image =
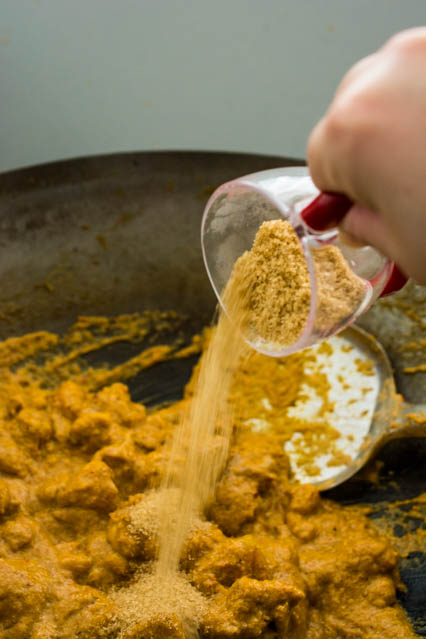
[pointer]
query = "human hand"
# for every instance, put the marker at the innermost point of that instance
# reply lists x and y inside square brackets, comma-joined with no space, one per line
[371,146]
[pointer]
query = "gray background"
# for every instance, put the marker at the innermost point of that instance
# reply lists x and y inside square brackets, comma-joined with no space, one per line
[94,76]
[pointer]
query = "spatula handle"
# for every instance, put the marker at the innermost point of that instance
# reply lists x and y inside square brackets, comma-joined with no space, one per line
[410,423]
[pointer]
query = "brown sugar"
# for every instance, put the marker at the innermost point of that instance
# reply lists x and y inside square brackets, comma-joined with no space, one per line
[203,436]
[169,607]
[340,291]
[274,278]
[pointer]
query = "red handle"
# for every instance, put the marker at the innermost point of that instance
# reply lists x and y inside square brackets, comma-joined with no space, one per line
[396,281]
[326,211]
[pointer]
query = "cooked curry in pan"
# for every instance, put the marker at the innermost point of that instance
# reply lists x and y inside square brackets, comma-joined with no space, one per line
[80,464]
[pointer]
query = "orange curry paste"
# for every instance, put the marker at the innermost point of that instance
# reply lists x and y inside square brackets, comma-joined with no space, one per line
[272,558]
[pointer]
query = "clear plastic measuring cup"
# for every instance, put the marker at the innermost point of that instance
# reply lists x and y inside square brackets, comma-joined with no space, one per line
[233,216]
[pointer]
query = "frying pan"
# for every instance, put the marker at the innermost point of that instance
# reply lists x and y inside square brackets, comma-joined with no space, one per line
[121,233]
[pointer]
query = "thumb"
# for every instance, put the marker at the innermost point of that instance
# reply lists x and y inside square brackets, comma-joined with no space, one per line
[367,227]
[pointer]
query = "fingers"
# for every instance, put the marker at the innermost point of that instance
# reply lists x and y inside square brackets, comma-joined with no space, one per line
[408,40]
[362,227]
[365,227]
[335,149]
[374,111]
[371,146]
[345,142]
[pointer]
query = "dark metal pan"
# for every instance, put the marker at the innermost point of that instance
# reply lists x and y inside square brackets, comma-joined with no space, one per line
[120,233]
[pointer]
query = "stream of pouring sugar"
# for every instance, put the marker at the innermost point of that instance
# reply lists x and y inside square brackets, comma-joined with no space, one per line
[201,443]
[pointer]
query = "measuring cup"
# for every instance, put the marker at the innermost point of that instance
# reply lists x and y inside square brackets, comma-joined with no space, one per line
[392,417]
[233,216]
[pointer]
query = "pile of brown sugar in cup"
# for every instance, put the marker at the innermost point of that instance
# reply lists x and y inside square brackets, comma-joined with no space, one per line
[274,278]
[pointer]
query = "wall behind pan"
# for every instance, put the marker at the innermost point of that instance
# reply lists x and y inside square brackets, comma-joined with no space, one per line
[81,77]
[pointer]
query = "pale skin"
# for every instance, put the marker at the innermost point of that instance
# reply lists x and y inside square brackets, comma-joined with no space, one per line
[371,146]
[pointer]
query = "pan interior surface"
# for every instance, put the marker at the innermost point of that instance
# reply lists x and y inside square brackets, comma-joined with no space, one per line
[118,234]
